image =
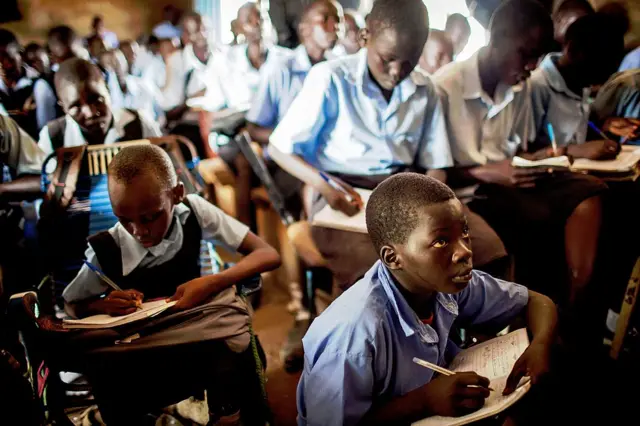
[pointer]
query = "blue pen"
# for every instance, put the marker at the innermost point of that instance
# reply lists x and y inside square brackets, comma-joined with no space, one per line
[102,276]
[598,131]
[332,183]
[552,135]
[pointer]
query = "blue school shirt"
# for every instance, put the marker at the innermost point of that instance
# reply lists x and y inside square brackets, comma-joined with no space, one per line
[619,97]
[553,102]
[631,61]
[360,350]
[280,83]
[340,122]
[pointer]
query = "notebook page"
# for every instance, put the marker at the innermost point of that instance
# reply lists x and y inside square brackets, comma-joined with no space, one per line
[148,309]
[562,161]
[625,161]
[330,218]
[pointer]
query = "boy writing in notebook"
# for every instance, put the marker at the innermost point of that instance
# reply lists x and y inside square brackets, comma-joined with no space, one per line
[359,352]
[154,249]
[561,88]
[154,252]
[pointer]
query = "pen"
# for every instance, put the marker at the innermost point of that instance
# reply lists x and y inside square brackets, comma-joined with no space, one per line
[438,369]
[598,131]
[332,183]
[102,276]
[552,135]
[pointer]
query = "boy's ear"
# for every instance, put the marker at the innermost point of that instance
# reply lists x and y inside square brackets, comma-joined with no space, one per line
[363,37]
[178,193]
[390,258]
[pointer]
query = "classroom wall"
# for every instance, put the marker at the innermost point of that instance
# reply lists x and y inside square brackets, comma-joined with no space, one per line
[127,18]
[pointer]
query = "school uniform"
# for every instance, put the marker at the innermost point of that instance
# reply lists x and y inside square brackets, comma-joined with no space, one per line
[26,92]
[178,350]
[631,61]
[618,97]
[552,102]
[485,130]
[341,123]
[18,151]
[360,350]
[127,125]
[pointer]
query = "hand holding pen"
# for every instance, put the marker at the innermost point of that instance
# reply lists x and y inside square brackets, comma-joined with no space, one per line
[341,196]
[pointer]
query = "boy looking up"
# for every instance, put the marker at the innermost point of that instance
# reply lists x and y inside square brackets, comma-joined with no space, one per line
[358,353]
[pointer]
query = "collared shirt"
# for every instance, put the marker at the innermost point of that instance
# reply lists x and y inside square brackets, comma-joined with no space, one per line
[553,102]
[631,61]
[280,83]
[17,150]
[73,134]
[481,129]
[215,225]
[341,122]
[360,350]
[619,97]
[166,30]
[43,97]
[232,81]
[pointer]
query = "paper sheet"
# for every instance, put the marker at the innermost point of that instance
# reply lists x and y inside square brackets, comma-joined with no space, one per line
[562,161]
[626,160]
[330,218]
[149,309]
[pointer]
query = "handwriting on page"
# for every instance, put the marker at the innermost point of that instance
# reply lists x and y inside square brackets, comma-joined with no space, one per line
[494,358]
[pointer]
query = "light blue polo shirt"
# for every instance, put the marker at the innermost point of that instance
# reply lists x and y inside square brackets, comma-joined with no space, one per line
[553,102]
[631,61]
[280,82]
[619,97]
[360,349]
[340,122]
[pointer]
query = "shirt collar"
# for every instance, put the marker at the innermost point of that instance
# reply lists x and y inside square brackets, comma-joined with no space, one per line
[409,320]
[121,117]
[192,61]
[301,61]
[133,252]
[404,90]
[554,78]
[22,83]
[472,88]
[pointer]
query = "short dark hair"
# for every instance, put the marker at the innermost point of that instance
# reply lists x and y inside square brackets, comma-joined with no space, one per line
[7,37]
[137,160]
[596,33]
[32,47]
[95,20]
[392,210]
[62,34]
[457,19]
[443,38]
[74,71]
[406,16]
[513,17]
[568,6]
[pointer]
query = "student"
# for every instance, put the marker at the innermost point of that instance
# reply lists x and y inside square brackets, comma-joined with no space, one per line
[282,80]
[566,14]
[90,118]
[154,251]
[561,88]
[353,23]
[618,97]
[458,29]
[169,28]
[96,47]
[358,353]
[487,121]
[631,61]
[437,52]
[98,30]
[131,49]
[34,104]
[360,119]
[63,44]
[37,58]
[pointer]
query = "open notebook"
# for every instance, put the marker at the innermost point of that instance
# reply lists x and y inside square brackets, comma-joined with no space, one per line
[625,162]
[494,360]
[330,218]
[148,310]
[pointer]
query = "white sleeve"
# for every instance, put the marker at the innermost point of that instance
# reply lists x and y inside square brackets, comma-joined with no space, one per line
[435,152]
[44,142]
[86,284]
[150,129]
[216,224]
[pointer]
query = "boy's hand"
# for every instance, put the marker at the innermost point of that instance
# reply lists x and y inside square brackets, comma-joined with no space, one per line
[505,174]
[119,303]
[192,294]
[624,127]
[454,395]
[339,199]
[596,150]
[534,363]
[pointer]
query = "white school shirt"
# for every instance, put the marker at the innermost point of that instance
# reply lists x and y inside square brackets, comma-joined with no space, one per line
[18,150]
[481,130]
[340,122]
[215,224]
[73,135]
[553,102]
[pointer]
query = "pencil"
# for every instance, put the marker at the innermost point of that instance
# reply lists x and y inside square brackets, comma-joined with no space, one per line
[438,369]
[599,131]
[102,276]
[335,185]
[552,135]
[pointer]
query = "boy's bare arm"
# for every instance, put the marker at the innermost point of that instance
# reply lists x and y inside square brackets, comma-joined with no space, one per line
[23,188]
[116,303]
[259,134]
[259,257]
